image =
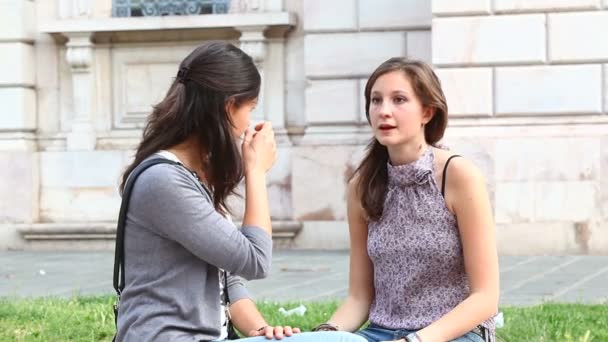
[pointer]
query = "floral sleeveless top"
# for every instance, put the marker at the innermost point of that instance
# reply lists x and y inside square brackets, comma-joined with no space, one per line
[415,248]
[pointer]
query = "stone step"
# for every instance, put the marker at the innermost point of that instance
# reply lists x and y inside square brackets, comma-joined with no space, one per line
[100,235]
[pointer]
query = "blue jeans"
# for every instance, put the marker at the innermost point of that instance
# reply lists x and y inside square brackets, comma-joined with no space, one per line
[330,336]
[375,333]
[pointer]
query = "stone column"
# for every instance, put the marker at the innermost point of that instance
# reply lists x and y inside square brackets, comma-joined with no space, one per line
[253,42]
[79,56]
[267,54]
[18,121]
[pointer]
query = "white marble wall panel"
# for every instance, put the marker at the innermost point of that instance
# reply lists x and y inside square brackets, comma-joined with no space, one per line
[322,15]
[530,202]
[461,8]
[574,201]
[17,20]
[394,14]
[605,75]
[16,64]
[79,204]
[320,175]
[547,159]
[419,45]
[18,109]
[468,91]
[350,54]
[140,78]
[81,169]
[515,202]
[19,187]
[332,101]
[576,37]
[550,89]
[537,238]
[603,202]
[505,39]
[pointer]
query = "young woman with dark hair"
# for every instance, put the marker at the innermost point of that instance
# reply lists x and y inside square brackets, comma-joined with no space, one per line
[182,254]
[423,264]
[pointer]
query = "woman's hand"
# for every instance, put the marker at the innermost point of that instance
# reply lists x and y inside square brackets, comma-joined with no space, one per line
[259,148]
[277,332]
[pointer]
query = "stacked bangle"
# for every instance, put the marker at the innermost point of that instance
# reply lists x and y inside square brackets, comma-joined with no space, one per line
[413,337]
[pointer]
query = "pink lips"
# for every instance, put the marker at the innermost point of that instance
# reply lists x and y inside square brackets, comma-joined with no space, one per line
[385,127]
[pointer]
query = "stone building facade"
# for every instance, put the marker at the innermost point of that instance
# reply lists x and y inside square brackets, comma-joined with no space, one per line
[526,82]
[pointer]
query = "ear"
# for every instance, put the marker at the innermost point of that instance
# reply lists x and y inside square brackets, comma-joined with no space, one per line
[428,114]
[230,107]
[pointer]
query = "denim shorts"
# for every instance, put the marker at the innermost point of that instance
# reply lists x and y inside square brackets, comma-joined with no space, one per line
[376,333]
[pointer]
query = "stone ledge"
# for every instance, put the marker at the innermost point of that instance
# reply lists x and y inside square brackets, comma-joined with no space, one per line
[446,8]
[17,140]
[100,231]
[67,231]
[199,22]
[543,6]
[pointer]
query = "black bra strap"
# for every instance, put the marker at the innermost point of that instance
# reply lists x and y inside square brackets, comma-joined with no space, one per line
[445,172]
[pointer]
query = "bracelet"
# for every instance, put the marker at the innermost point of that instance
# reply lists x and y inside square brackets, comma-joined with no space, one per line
[326,327]
[413,337]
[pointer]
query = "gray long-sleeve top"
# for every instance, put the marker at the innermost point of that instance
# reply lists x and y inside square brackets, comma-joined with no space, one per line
[175,242]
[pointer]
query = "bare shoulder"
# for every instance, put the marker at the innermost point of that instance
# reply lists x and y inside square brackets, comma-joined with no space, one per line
[352,188]
[460,170]
[465,185]
[463,173]
[353,198]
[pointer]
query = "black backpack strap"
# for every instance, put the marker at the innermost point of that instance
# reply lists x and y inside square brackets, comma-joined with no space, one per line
[119,251]
[445,173]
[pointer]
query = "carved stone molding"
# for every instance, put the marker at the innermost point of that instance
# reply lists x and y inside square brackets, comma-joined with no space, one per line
[253,42]
[79,52]
[79,56]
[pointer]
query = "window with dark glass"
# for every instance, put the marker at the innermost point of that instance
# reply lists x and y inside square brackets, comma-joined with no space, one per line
[144,8]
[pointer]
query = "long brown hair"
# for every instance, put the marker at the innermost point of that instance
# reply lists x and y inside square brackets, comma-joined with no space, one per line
[195,106]
[372,173]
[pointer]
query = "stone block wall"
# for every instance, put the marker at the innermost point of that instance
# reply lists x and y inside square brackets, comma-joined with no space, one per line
[531,77]
[342,42]
[526,82]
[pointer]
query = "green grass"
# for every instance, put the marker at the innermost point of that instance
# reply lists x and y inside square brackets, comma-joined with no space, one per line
[91,319]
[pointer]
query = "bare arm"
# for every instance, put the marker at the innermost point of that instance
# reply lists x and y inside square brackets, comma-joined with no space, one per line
[355,309]
[257,212]
[246,317]
[259,154]
[466,195]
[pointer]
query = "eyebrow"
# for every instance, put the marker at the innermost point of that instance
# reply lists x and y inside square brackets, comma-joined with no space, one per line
[400,91]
